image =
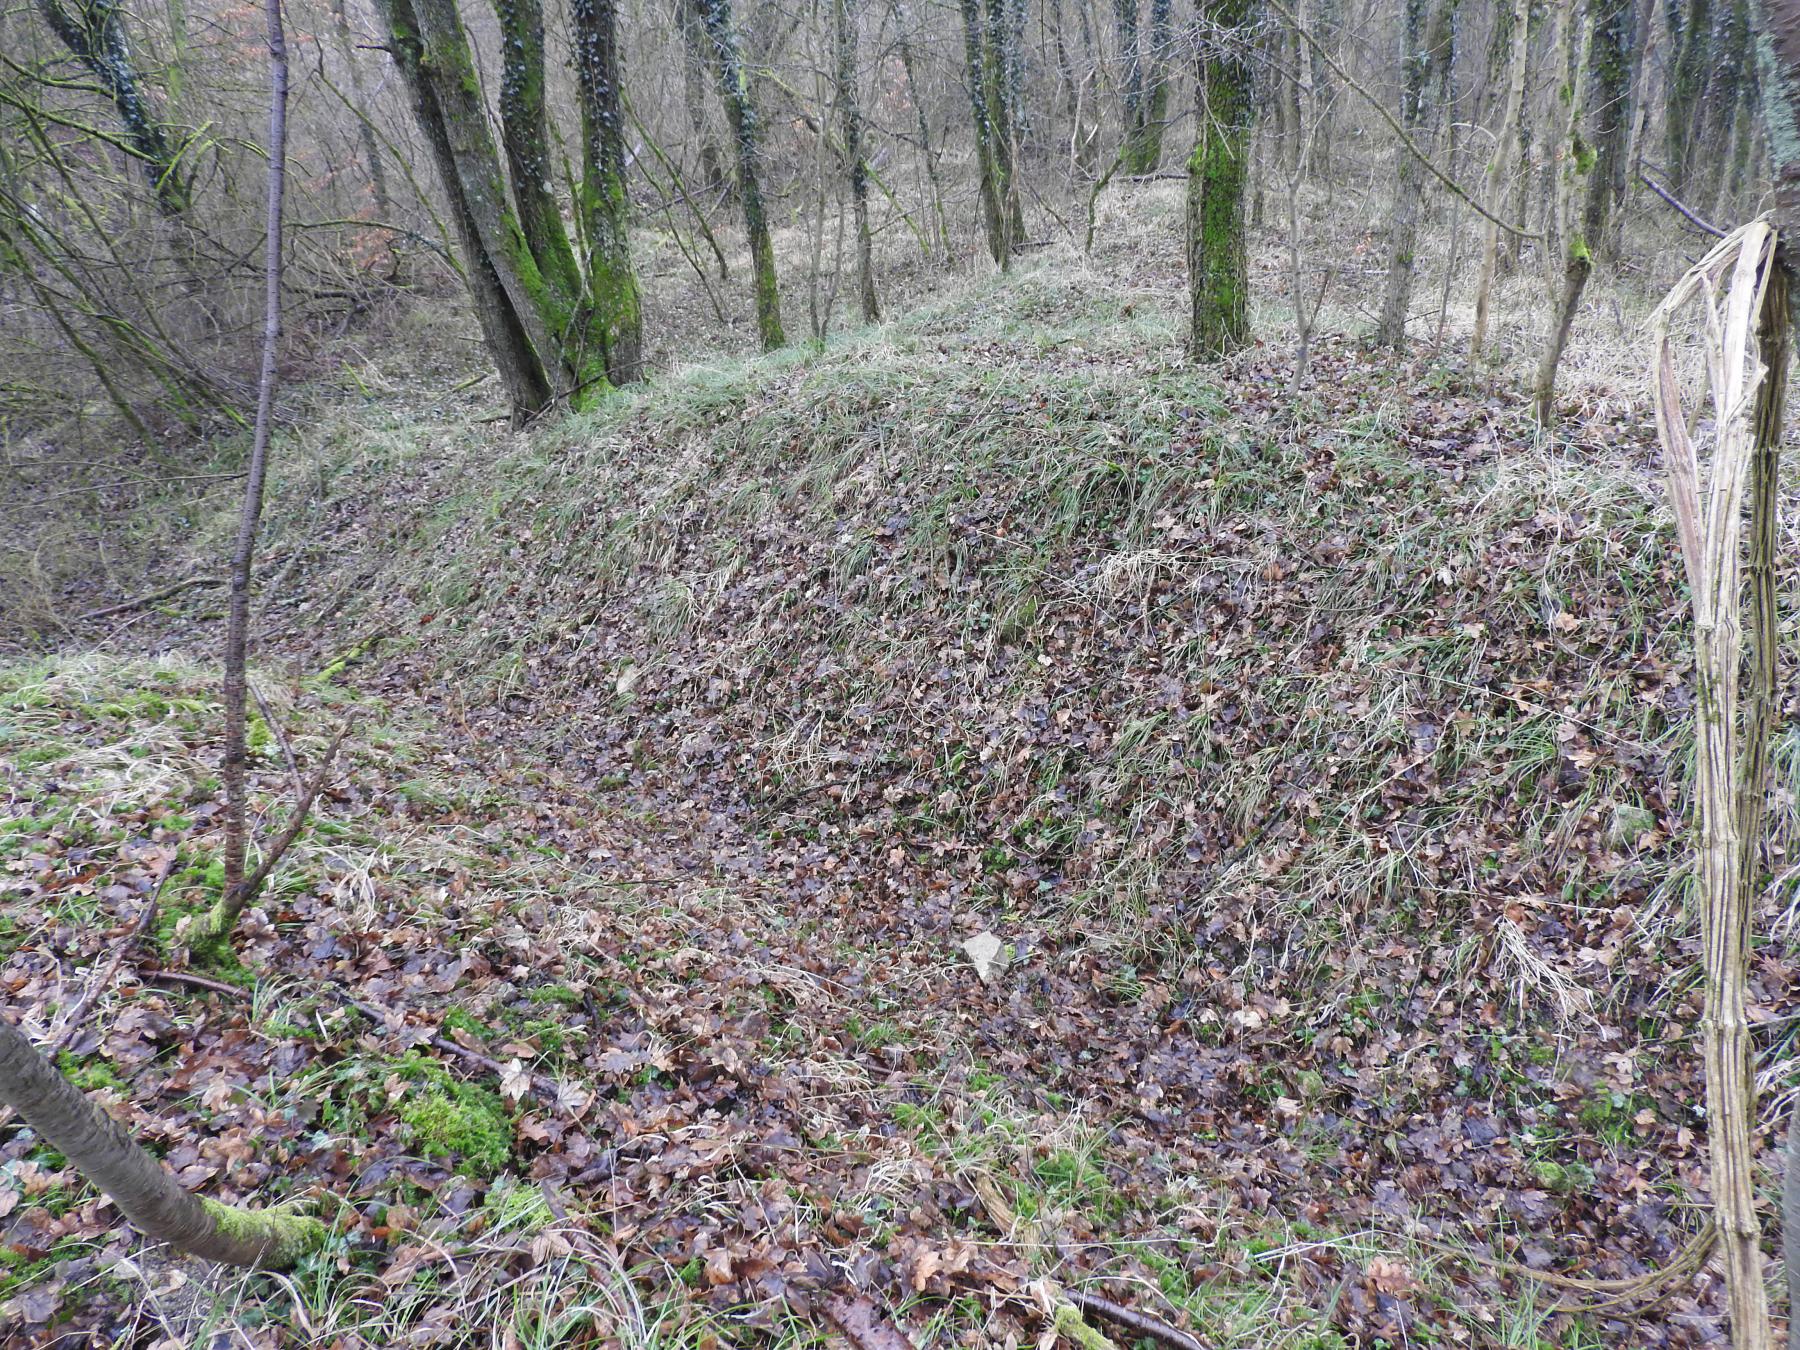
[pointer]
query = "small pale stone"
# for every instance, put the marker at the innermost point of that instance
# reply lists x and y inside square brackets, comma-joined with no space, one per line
[988,954]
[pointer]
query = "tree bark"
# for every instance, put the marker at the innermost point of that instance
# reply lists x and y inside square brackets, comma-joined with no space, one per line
[509,341]
[1217,249]
[851,123]
[1609,119]
[95,36]
[98,1147]
[746,136]
[1425,61]
[993,217]
[238,891]
[1687,87]
[1502,153]
[614,310]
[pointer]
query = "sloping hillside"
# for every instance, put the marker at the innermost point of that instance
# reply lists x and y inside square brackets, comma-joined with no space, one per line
[1316,758]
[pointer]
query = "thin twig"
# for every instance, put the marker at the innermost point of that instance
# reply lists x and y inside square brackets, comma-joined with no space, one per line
[125,606]
[72,1019]
[287,750]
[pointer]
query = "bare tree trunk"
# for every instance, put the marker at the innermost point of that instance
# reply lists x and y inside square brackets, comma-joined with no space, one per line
[1687,87]
[1609,117]
[746,136]
[365,123]
[1500,156]
[98,1147]
[693,89]
[237,892]
[850,118]
[1425,61]
[903,47]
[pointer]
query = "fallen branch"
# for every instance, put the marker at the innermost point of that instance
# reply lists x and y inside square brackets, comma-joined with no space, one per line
[1696,221]
[1137,1323]
[138,602]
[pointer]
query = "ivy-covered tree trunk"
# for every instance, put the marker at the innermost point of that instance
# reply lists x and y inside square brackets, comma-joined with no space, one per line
[1217,249]
[509,340]
[993,216]
[1425,61]
[1686,89]
[95,35]
[524,136]
[1596,156]
[98,1147]
[1001,72]
[746,136]
[615,311]
[851,124]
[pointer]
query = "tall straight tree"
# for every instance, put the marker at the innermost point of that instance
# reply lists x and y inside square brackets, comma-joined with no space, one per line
[1425,60]
[855,159]
[1691,51]
[1217,249]
[993,211]
[1517,17]
[1608,120]
[615,318]
[1142,150]
[746,138]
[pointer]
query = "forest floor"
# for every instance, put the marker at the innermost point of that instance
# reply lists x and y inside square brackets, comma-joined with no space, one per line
[1315,760]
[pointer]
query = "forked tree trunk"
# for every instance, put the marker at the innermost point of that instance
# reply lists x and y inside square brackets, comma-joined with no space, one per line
[1217,249]
[508,343]
[1500,156]
[97,1146]
[524,135]
[1609,118]
[615,318]
[746,137]
[850,120]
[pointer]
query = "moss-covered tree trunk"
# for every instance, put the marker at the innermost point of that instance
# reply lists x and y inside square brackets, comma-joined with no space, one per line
[615,311]
[98,1147]
[1686,88]
[1217,248]
[1608,121]
[855,161]
[1427,53]
[524,135]
[1144,144]
[509,342]
[95,35]
[746,137]
[1725,91]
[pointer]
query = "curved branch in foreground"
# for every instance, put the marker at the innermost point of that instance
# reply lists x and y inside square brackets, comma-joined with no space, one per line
[98,1147]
